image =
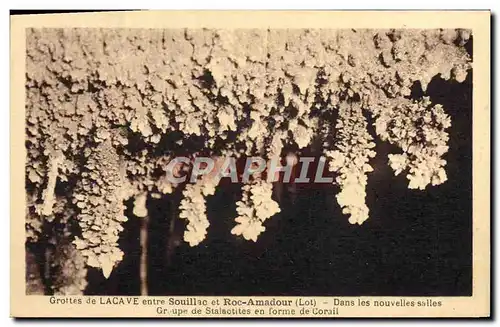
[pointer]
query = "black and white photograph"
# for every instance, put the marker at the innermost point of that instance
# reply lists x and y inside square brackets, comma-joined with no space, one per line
[267,162]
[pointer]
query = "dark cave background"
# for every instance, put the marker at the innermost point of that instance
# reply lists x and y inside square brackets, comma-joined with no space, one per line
[415,243]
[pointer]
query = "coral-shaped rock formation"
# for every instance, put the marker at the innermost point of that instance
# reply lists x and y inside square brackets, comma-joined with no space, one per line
[108,109]
[254,208]
[353,150]
[100,197]
[419,129]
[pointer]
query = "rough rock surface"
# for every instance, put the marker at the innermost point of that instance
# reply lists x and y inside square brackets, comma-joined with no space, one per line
[91,92]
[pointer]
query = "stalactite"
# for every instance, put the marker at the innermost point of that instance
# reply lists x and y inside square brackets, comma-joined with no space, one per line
[48,194]
[350,159]
[100,198]
[419,129]
[143,268]
[254,208]
[193,209]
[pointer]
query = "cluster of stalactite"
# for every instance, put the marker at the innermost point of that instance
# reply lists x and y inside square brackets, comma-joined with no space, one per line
[107,109]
